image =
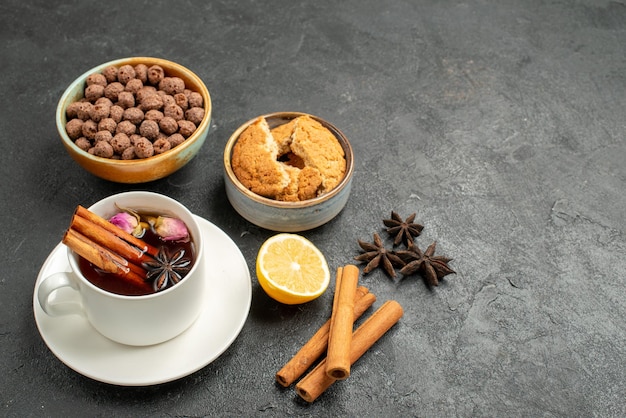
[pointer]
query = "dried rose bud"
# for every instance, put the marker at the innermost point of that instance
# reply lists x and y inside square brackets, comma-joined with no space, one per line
[124,221]
[171,229]
[129,221]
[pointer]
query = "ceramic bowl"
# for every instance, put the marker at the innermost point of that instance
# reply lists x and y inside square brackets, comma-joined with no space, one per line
[137,170]
[287,216]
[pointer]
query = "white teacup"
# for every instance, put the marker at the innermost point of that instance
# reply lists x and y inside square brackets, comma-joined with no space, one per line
[132,320]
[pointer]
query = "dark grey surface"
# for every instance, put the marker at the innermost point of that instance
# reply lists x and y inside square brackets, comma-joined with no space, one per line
[502,124]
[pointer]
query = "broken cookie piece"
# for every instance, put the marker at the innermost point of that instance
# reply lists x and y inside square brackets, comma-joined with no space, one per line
[295,161]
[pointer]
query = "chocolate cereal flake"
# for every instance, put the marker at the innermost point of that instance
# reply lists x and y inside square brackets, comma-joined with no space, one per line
[155,74]
[133,85]
[111,91]
[94,92]
[175,139]
[107,124]
[195,99]
[83,143]
[110,73]
[133,115]
[186,128]
[103,149]
[129,153]
[144,148]
[172,85]
[102,136]
[195,115]
[126,99]
[116,113]
[141,72]
[126,127]
[89,129]
[96,78]
[120,142]
[153,114]
[161,145]
[168,125]
[125,73]
[149,129]
[74,128]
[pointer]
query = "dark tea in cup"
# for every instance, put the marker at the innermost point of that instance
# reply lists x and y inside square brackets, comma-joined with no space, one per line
[174,258]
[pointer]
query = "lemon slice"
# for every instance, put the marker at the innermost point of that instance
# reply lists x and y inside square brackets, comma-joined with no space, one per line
[291,269]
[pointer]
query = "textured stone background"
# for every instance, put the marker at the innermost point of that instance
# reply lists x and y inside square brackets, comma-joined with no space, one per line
[502,124]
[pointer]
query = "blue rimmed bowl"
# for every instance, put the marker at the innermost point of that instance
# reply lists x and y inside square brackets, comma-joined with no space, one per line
[287,216]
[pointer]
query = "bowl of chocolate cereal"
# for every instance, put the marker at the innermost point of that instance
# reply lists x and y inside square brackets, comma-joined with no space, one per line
[134,120]
[288,171]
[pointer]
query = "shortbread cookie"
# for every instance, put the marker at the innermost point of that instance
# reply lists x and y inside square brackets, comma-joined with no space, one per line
[254,161]
[319,149]
[296,161]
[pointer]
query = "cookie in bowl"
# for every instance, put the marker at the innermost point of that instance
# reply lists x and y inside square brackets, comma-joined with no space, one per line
[288,171]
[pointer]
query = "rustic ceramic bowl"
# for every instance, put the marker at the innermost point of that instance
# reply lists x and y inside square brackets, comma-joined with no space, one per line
[287,216]
[138,170]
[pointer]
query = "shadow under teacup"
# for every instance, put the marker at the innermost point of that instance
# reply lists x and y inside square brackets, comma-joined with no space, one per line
[133,320]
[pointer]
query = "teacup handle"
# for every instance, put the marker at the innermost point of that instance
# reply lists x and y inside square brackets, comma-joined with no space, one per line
[53,283]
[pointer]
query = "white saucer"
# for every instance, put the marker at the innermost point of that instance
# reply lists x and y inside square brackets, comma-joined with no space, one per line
[229,294]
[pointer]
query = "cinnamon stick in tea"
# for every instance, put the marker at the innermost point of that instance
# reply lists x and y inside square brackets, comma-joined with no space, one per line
[316,346]
[103,258]
[341,323]
[108,247]
[103,223]
[109,239]
[317,381]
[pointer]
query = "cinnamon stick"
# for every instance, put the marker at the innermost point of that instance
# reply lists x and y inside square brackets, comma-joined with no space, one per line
[107,238]
[316,346]
[103,223]
[341,323]
[103,258]
[108,247]
[317,381]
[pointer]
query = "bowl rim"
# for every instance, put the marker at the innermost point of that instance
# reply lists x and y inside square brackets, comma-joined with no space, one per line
[343,141]
[64,102]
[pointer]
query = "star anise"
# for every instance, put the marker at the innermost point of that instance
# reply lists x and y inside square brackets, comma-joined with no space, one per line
[430,266]
[404,231]
[165,269]
[375,254]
